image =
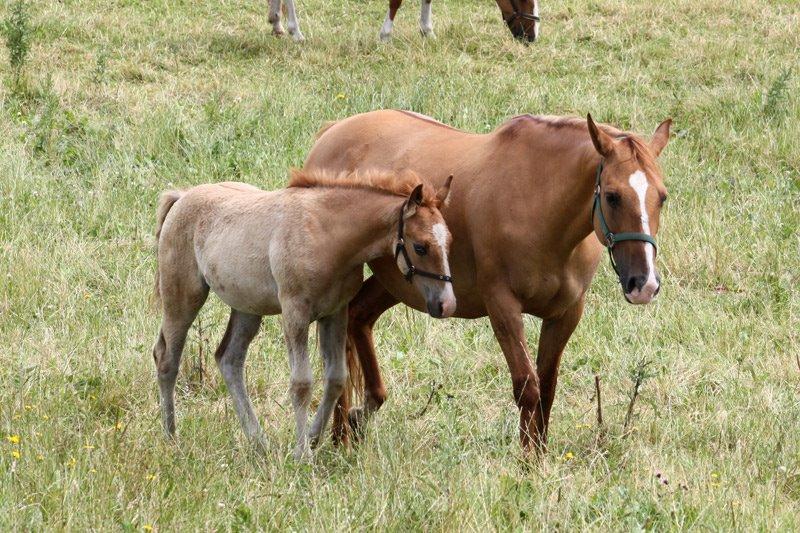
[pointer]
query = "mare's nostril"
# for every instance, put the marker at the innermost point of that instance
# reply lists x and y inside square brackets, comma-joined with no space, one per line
[441,309]
[658,289]
[631,285]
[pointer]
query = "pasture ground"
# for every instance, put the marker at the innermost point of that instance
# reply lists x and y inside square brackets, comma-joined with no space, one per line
[126,98]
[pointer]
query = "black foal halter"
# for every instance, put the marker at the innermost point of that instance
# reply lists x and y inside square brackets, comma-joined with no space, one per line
[401,249]
[519,15]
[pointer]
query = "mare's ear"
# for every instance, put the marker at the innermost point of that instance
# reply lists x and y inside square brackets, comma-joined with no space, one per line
[444,192]
[414,201]
[660,137]
[602,141]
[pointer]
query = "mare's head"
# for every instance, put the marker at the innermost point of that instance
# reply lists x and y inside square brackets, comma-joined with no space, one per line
[521,17]
[631,193]
[422,245]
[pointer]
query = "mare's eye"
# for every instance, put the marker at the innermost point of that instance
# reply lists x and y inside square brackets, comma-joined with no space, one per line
[420,249]
[613,199]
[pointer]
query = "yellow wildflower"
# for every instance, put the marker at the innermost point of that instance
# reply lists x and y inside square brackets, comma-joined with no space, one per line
[13,439]
[151,477]
[72,462]
[340,96]
[40,457]
[568,456]
[147,527]
[88,447]
[28,407]
[118,426]
[45,417]
[15,454]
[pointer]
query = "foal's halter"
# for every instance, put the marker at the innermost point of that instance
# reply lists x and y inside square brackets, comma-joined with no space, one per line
[401,249]
[519,15]
[613,238]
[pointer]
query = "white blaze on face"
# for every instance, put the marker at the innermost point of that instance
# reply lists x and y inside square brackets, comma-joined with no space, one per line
[638,181]
[440,234]
[536,14]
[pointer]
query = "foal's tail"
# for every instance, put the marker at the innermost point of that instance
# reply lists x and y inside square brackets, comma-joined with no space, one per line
[165,203]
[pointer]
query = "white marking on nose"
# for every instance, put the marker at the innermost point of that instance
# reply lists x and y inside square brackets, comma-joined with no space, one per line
[638,181]
[440,234]
[536,14]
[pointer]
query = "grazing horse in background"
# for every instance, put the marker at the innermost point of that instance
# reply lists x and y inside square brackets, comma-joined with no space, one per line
[534,203]
[299,251]
[521,17]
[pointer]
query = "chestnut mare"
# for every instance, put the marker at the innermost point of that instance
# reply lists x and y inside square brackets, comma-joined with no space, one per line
[299,251]
[534,202]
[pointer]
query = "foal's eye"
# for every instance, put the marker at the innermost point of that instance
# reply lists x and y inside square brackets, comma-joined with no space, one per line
[420,249]
[613,199]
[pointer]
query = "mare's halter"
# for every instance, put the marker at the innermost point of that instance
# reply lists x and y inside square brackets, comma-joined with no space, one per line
[519,15]
[401,249]
[613,238]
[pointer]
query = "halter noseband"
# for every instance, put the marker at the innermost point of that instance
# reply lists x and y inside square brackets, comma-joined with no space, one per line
[401,249]
[518,14]
[613,238]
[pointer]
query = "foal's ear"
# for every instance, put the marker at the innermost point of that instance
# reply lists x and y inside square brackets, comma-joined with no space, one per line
[660,137]
[602,141]
[444,193]
[414,201]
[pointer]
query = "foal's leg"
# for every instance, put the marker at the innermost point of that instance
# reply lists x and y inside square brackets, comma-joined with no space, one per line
[386,29]
[505,315]
[230,356]
[275,17]
[552,339]
[295,330]
[332,333]
[181,303]
[291,21]
[425,19]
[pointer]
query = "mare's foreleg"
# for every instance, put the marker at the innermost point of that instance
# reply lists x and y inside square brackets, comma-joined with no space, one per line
[426,19]
[505,315]
[552,340]
[388,23]
[332,334]
[291,21]
[295,330]
[230,356]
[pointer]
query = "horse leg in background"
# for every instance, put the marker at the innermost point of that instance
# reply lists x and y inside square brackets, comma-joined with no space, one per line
[332,336]
[230,356]
[364,310]
[275,17]
[291,21]
[505,315]
[181,301]
[552,340]
[426,19]
[386,29]
[295,330]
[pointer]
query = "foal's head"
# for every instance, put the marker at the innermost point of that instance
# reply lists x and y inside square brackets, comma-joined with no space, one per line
[631,193]
[422,246]
[521,17]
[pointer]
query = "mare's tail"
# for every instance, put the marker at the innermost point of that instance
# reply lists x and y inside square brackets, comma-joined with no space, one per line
[165,203]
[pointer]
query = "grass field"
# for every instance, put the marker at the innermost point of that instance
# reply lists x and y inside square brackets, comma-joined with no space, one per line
[122,99]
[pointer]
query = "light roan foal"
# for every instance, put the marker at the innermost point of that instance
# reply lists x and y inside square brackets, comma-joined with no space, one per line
[298,251]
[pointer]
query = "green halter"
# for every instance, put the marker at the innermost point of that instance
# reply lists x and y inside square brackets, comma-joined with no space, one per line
[613,238]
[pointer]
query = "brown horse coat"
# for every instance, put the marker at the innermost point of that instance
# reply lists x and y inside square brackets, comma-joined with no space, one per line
[520,212]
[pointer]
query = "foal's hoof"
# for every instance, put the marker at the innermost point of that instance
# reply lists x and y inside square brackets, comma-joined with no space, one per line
[297,36]
[278,31]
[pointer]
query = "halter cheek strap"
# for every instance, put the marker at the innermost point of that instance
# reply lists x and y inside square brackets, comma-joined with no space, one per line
[613,238]
[518,14]
[400,249]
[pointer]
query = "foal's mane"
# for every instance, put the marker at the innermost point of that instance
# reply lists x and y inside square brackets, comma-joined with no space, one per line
[393,183]
[639,148]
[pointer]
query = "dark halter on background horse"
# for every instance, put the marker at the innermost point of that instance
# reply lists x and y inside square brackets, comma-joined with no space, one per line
[613,238]
[518,14]
[401,249]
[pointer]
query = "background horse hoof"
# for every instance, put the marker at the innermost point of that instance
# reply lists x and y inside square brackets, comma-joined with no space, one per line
[385,37]
[428,33]
[298,37]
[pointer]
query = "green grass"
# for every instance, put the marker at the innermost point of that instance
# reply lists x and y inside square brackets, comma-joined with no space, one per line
[126,98]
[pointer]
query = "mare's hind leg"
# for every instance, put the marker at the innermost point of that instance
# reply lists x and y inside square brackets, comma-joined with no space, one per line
[275,17]
[181,305]
[295,330]
[230,356]
[388,24]
[332,334]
